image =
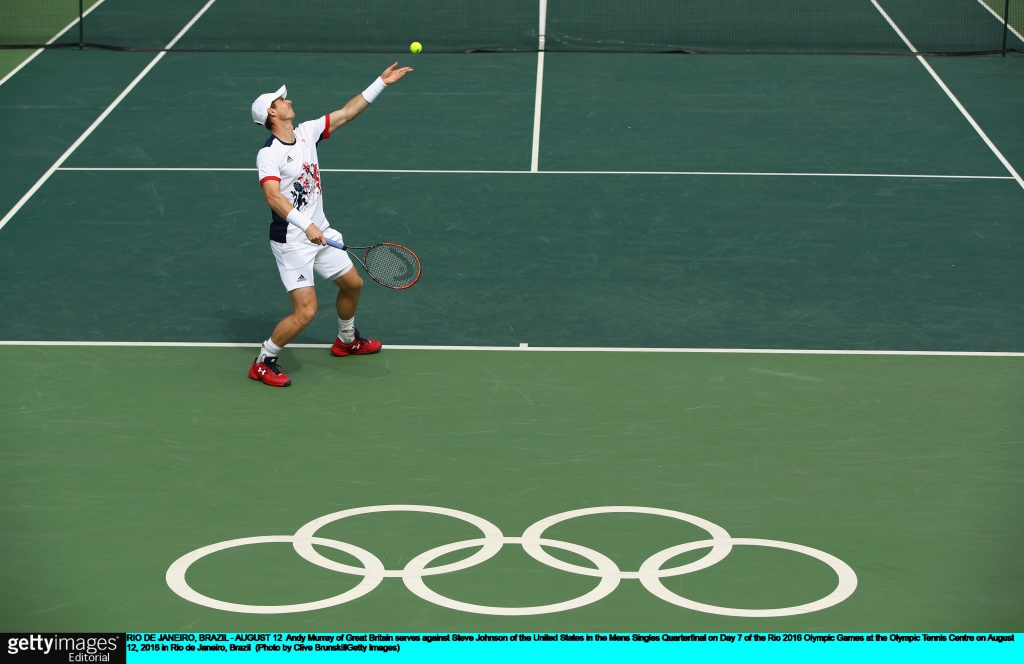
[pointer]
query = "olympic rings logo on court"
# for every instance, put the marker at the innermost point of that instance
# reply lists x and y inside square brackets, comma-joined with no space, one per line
[533,542]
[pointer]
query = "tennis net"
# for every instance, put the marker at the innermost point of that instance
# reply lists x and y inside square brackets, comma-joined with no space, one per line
[450,26]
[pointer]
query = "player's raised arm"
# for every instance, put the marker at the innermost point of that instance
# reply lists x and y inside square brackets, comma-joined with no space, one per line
[359,103]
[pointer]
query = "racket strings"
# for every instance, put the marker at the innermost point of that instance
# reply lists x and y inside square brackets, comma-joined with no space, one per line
[392,266]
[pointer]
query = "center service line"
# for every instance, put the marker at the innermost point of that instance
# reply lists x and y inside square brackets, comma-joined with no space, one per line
[542,29]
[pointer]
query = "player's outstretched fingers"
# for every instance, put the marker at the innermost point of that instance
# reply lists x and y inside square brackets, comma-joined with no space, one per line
[391,75]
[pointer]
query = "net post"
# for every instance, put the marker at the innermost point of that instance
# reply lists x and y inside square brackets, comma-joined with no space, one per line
[1006,22]
[81,25]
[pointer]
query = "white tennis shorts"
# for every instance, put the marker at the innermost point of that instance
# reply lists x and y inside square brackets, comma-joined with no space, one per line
[297,260]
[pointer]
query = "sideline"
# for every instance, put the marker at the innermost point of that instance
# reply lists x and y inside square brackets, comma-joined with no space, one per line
[952,97]
[52,39]
[103,116]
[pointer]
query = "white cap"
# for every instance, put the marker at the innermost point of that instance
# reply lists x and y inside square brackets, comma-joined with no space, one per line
[263,102]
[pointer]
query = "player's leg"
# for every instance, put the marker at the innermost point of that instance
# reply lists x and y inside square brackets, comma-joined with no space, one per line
[350,285]
[295,264]
[304,301]
[336,265]
[349,341]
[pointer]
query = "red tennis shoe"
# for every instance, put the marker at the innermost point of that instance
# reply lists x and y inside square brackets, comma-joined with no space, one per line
[360,346]
[269,373]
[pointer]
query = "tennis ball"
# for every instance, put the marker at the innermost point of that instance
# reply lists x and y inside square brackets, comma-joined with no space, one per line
[416,47]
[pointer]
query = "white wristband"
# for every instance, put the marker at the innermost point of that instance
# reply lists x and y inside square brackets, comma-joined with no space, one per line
[370,93]
[299,220]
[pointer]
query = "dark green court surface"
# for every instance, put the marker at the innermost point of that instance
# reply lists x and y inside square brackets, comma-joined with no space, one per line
[118,461]
[453,112]
[646,112]
[549,260]
[51,102]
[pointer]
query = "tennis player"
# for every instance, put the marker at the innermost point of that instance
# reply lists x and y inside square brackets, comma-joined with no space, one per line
[289,173]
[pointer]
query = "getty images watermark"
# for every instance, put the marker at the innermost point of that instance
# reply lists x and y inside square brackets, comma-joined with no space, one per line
[66,647]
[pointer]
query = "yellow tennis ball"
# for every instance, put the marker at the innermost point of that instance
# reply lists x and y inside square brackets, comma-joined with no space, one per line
[416,47]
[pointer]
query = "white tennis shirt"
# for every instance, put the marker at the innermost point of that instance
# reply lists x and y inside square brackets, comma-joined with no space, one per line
[296,167]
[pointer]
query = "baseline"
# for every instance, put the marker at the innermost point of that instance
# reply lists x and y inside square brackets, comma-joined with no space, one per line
[542,349]
[949,93]
[103,116]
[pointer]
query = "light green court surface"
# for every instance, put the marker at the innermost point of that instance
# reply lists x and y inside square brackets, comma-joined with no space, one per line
[116,461]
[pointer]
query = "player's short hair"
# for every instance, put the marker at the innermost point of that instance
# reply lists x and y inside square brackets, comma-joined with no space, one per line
[266,123]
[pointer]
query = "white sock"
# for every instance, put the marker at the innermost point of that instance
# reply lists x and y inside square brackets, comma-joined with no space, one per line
[268,349]
[347,330]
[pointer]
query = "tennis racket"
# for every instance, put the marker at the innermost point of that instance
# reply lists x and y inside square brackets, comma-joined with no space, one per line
[387,263]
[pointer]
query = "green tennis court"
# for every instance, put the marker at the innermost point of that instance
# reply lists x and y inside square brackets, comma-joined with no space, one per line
[780,294]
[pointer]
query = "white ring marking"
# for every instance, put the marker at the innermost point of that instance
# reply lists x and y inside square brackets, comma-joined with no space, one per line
[304,539]
[719,551]
[373,574]
[607,570]
[652,581]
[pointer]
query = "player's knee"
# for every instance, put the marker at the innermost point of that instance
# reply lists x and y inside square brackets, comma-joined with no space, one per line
[306,313]
[350,282]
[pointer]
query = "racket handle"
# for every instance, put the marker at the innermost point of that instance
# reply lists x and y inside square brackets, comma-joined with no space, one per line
[335,243]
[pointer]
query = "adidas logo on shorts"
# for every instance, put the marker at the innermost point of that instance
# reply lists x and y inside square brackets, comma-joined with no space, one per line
[302,277]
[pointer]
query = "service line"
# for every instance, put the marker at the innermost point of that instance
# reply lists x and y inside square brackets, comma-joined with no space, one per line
[485,172]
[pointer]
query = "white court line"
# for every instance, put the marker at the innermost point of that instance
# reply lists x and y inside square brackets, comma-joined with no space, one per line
[470,172]
[52,39]
[524,348]
[538,94]
[1000,19]
[535,149]
[952,97]
[124,93]
[143,168]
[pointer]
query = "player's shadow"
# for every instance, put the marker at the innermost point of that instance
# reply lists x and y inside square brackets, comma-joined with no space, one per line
[372,366]
[368,366]
[247,326]
[290,359]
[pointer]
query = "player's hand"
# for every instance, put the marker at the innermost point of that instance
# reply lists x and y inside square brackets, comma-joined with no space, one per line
[391,74]
[315,235]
